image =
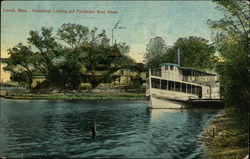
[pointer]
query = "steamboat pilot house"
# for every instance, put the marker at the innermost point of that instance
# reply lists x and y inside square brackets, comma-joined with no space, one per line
[171,86]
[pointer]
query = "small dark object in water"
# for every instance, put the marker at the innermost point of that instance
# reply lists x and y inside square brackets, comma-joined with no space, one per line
[93,128]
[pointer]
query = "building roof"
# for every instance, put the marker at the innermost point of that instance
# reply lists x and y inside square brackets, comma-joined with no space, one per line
[139,66]
[38,77]
[115,52]
[169,64]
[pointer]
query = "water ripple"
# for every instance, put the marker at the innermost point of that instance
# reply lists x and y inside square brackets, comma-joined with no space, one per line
[124,130]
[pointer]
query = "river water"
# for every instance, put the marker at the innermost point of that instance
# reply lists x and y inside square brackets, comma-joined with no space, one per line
[40,128]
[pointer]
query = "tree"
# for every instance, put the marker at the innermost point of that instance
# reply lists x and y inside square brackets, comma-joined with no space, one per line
[231,41]
[155,49]
[89,51]
[72,56]
[107,60]
[20,64]
[235,21]
[195,52]
[46,49]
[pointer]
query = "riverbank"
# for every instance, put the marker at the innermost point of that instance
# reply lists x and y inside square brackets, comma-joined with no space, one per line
[78,96]
[223,139]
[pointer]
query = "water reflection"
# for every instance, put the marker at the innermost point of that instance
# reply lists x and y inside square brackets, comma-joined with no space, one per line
[123,129]
[178,129]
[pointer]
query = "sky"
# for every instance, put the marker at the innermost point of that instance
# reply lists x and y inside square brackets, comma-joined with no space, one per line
[140,20]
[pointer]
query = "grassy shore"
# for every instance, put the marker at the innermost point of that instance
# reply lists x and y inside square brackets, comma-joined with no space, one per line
[224,139]
[80,96]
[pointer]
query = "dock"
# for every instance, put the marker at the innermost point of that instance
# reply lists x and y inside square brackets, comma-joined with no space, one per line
[206,103]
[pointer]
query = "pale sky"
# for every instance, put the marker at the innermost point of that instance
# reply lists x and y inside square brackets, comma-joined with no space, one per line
[142,21]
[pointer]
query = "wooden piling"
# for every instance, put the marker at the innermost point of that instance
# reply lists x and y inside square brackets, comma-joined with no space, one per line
[213,132]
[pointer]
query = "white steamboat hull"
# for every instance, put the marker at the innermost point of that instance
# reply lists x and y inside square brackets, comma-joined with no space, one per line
[163,99]
[161,103]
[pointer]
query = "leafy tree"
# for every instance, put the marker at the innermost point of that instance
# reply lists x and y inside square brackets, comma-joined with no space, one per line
[170,55]
[230,40]
[195,52]
[46,48]
[235,21]
[91,50]
[155,49]
[72,56]
[109,60]
[20,64]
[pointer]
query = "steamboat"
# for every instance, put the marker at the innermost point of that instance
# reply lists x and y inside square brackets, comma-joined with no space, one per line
[172,86]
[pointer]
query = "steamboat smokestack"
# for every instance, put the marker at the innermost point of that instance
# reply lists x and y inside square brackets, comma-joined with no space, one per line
[177,55]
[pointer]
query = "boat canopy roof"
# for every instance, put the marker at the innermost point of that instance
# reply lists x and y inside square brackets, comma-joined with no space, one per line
[187,71]
[190,72]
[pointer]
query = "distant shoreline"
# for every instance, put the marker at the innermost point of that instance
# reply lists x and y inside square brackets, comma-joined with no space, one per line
[85,100]
[79,97]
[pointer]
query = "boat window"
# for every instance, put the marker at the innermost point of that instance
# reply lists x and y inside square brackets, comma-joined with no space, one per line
[177,86]
[171,85]
[188,88]
[193,89]
[171,67]
[183,87]
[199,92]
[155,83]
[164,84]
[166,67]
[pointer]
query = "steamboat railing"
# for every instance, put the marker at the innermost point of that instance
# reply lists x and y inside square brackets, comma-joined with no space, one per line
[156,72]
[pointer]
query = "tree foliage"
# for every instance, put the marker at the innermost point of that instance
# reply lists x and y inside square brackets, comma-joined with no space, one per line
[155,49]
[68,58]
[230,40]
[89,51]
[20,64]
[46,49]
[235,21]
[195,52]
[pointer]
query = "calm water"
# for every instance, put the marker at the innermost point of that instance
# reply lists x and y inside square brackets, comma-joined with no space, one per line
[124,129]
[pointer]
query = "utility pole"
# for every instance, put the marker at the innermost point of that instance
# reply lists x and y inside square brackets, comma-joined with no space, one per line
[116,27]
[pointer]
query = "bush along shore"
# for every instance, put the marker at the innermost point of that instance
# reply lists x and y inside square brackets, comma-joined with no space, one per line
[224,138]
